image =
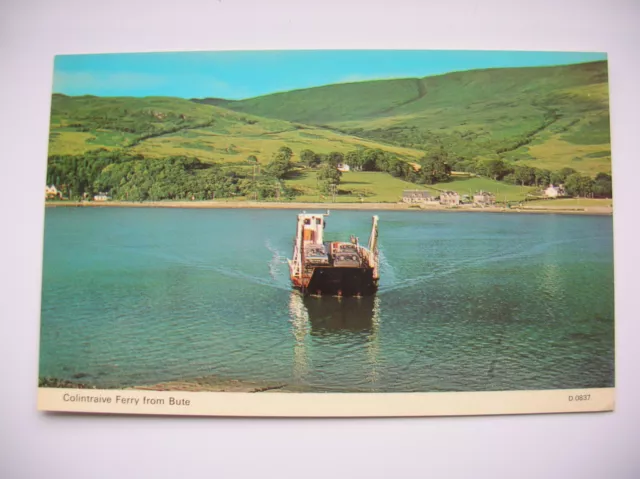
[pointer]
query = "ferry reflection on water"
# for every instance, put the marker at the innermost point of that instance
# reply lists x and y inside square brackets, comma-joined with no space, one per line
[333,315]
[326,316]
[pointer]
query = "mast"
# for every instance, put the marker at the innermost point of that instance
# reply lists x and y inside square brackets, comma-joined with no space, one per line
[300,247]
[373,248]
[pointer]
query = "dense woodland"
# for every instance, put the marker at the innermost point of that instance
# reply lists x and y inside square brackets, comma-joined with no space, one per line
[135,178]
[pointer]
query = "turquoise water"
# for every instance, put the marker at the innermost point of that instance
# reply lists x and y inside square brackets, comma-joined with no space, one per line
[467,301]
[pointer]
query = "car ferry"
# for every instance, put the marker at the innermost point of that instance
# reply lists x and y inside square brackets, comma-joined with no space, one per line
[333,268]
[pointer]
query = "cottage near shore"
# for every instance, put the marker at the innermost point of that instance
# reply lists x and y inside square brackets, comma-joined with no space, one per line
[484,198]
[555,191]
[450,198]
[51,192]
[417,197]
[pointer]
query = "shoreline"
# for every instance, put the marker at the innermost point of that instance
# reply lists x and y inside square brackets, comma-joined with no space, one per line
[199,384]
[212,204]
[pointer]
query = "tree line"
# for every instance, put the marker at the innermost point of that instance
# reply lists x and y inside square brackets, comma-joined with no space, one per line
[431,168]
[436,167]
[133,177]
[575,183]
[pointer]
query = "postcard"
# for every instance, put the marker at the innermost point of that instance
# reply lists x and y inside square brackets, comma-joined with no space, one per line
[328,233]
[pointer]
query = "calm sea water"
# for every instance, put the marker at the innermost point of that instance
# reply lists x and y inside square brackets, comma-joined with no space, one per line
[467,301]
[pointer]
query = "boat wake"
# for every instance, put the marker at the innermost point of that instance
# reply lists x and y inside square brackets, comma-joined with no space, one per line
[387,273]
[515,253]
[277,265]
[232,273]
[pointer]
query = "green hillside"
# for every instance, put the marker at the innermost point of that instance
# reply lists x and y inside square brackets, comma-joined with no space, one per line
[331,103]
[516,130]
[546,117]
[161,127]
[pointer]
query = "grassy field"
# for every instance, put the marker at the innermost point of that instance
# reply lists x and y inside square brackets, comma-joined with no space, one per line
[589,159]
[236,144]
[364,186]
[469,186]
[375,187]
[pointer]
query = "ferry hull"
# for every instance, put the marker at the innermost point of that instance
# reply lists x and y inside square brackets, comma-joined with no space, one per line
[329,315]
[334,281]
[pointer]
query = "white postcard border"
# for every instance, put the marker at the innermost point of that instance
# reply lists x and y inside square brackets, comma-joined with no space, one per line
[277,404]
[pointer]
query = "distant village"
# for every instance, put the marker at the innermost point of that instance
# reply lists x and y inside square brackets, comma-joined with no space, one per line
[453,198]
[412,197]
[53,193]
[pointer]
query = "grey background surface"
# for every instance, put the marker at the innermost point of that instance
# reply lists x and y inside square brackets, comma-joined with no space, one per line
[33,444]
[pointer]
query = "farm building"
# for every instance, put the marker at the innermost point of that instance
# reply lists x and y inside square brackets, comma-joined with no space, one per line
[449,198]
[343,167]
[101,197]
[484,198]
[554,191]
[51,192]
[416,196]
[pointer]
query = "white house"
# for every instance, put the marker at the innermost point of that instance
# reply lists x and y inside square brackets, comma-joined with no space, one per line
[52,192]
[417,196]
[450,198]
[101,197]
[484,198]
[343,167]
[554,191]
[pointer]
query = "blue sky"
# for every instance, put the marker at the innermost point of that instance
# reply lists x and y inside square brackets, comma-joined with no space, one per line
[243,74]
